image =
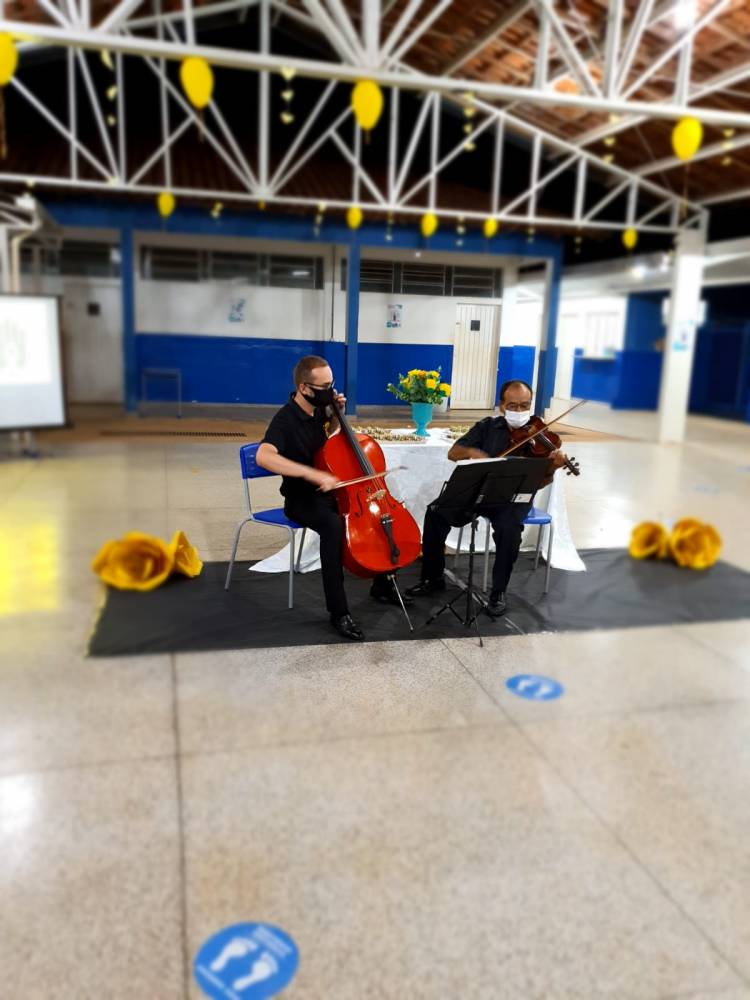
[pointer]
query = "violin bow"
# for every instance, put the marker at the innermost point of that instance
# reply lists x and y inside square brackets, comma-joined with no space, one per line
[364,479]
[541,430]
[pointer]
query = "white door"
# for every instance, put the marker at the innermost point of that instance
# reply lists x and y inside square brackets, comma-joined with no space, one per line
[92,324]
[474,378]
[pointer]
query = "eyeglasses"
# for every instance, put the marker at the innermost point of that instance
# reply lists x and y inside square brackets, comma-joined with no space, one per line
[518,407]
[315,385]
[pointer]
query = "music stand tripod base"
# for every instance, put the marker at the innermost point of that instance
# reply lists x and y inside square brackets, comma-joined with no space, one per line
[467,591]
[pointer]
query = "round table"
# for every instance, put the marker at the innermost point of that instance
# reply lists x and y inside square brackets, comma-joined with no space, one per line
[426,468]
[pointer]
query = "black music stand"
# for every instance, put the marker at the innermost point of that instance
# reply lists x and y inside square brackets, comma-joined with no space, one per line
[476,486]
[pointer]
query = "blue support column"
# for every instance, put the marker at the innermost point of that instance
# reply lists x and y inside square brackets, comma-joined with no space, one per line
[352,324]
[127,280]
[545,379]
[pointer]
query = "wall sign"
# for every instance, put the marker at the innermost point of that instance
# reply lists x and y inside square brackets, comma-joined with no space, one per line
[394,317]
[534,687]
[237,310]
[246,962]
[684,335]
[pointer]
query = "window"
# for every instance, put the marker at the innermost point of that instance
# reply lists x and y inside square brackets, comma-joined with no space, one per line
[243,268]
[170,264]
[93,260]
[423,279]
[73,258]
[476,282]
[376,276]
[178,264]
[295,272]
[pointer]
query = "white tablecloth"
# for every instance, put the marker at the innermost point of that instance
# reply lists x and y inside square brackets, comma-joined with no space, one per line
[418,484]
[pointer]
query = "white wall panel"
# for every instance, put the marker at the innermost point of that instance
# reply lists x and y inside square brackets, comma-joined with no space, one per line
[205,309]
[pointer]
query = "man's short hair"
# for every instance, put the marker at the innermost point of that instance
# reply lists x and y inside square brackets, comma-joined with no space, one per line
[509,385]
[305,366]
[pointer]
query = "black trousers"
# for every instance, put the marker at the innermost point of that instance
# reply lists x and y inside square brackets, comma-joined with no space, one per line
[507,528]
[320,513]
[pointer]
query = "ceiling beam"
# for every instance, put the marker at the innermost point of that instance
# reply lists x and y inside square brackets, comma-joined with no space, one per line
[411,80]
[740,194]
[724,147]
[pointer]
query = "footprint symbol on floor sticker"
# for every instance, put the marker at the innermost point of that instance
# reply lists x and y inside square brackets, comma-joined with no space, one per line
[263,968]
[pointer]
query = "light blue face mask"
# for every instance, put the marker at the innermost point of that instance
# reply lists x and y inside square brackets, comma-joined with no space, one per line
[517,418]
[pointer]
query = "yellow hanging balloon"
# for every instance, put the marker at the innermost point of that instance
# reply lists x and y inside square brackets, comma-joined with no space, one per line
[354,217]
[687,136]
[166,204]
[429,224]
[197,80]
[630,238]
[490,227]
[367,103]
[8,58]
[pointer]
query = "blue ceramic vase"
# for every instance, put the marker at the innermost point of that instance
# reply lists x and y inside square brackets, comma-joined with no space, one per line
[421,414]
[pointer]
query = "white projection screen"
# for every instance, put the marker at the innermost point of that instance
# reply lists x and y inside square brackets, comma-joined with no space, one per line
[31,366]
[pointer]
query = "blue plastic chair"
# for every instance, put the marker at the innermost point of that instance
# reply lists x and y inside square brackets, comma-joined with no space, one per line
[276,516]
[536,517]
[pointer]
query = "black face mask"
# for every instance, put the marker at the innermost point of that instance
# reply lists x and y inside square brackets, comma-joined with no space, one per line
[320,397]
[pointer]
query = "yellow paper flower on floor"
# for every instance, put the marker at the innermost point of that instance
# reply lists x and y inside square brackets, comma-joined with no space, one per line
[694,544]
[186,558]
[430,383]
[649,540]
[445,388]
[135,562]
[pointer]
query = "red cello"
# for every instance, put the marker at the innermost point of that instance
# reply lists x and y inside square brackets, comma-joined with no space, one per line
[380,535]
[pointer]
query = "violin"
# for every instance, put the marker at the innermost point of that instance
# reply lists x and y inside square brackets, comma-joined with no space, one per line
[541,442]
[380,535]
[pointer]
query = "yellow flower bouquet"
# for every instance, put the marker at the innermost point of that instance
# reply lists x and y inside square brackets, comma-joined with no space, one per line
[143,562]
[419,386]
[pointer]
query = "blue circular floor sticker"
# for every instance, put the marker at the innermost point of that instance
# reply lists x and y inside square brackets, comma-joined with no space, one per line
[534,687]
[246,962]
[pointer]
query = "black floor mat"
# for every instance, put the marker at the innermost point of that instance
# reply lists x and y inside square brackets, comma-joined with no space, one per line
[615,592]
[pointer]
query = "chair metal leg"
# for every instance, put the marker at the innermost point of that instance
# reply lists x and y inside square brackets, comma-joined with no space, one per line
[540,529]
[549,557]
[291,567]
[486,577]
[236,542]
[301,546]
[458,546]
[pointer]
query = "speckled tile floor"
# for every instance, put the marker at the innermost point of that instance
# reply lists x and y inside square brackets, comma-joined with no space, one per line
[416,829]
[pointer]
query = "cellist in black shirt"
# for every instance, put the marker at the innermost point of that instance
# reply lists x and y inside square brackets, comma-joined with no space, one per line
[299,429]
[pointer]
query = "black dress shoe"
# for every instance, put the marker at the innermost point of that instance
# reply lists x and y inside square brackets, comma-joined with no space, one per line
[496,606]
[426,587]
[347,627]
[386,594]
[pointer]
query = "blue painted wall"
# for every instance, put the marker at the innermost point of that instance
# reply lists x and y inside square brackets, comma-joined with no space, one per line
[514,362]
[253,370]
[629,381]
[594,378]
[637,382]
[721,370]
[643,325]
[230,369]
[380,364]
